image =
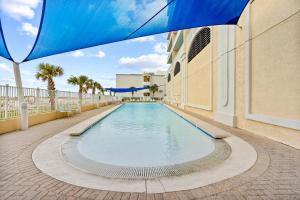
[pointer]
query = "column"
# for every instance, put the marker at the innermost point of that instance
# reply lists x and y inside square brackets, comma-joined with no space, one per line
[22,104]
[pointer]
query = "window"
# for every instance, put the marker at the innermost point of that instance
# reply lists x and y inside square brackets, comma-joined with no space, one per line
[169,77]
[201,40]
[177,68]
[146,78]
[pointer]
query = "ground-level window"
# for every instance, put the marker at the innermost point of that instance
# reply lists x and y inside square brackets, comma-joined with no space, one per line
[177,68]
[169,77]
[146,94]
[201,40]
[146,78]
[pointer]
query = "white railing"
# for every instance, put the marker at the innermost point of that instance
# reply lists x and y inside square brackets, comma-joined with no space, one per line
[8,102]
[39,101]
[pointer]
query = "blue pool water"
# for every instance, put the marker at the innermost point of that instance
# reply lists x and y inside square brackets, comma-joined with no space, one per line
[144,135]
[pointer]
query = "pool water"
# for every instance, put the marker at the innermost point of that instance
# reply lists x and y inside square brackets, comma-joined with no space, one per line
[144,135]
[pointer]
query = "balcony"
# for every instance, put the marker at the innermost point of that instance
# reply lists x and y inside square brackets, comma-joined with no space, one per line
[169,59]
[169,35]
[178,41]
[169,46]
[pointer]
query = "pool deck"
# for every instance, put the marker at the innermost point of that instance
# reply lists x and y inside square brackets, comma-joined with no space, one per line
[275,175]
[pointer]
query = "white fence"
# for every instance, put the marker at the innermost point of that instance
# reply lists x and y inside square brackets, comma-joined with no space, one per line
[39,101]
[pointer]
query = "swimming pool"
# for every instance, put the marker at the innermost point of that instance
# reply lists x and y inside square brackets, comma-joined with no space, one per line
[144,135]
[132,147]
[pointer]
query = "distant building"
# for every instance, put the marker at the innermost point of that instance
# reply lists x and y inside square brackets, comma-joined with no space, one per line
[141,80]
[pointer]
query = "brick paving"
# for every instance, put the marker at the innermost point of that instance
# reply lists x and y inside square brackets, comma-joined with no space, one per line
[275,175]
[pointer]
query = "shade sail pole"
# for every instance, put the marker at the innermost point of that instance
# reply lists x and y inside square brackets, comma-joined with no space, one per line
[22,105]
[18,80]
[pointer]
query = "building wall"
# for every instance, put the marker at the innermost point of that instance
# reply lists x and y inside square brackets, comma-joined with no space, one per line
[268,87]
[249,75]
[200,66]
[282,39]
[177,87]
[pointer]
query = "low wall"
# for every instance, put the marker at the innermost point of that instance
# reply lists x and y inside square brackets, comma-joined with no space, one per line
[14,124]
[88,107]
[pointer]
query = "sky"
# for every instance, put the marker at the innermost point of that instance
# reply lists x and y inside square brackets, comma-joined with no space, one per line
[20,21]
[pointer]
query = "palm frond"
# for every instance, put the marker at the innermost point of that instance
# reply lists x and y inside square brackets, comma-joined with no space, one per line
[73,80]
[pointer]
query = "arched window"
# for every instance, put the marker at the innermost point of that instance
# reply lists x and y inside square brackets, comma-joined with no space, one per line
[177,68]
[201,40]
[169,77]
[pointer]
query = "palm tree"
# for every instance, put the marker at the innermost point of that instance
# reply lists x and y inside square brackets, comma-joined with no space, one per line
[94,85]
[132,92]
[102,90]
[82,81]
[153,88]
[47,72]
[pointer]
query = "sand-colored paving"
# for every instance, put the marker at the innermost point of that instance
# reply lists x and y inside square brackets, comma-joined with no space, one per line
[275,175]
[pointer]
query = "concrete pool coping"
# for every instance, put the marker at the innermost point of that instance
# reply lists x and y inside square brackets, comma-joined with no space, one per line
[80,128]
[48,158]
[211,130]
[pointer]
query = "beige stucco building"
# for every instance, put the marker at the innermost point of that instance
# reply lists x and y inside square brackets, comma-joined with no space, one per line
[245,76]
[139,81]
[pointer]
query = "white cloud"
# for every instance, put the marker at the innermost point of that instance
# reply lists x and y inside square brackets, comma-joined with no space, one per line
[19,9]
[150,38]
[8,69]
[34,83]
[4,67]
[165,35]
[77,53]
[149,62]
[121,10]
[100,54]
[134,13]
[8,80]
[160,48]
[107,80]
[25,72]
[29,29]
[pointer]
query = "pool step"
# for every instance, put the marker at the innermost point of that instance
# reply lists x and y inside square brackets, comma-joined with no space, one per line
[72,156]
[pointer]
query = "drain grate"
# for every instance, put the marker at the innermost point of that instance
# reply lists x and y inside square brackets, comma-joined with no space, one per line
[72,156]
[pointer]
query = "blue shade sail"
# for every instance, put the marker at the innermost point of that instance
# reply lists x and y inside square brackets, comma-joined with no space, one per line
[68,25]
[122,90]
[3,48]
